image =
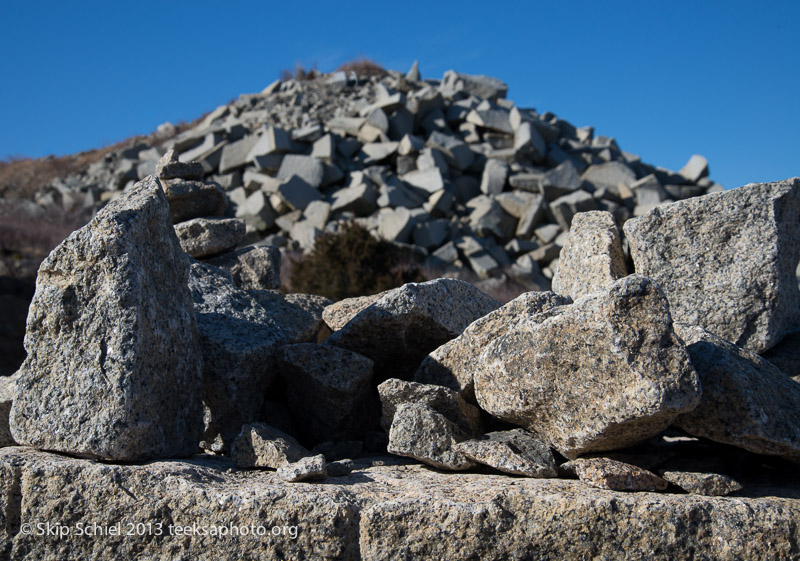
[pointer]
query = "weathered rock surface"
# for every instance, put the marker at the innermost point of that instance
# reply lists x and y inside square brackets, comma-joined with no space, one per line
[330,389]
[252,267]
[8,387]
[592,256]
[201,237]
[746,402]
[605,473]
[339,313]
[727,261]
[113,368]
[383,512]
[453,364]
[513,451]
[708,484]
[603,373]
[404,325]
[262,446]
[306,469]
[786,356]
[170,167]
[299,316]
[194,199]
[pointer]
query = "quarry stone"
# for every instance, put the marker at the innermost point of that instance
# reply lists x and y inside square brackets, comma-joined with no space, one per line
[259,445]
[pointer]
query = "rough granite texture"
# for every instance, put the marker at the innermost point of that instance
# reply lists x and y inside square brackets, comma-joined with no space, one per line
[299,315]
[193,199]
[516,451]
[708,484]
[605,473]
[376,513]
[452,365]
[252,267]
[747,402]
[262,446]
[592,257]
[603,373]
[339,313]
[407,323]
[786,356]
[114,367]
[306,469]
[201,237]
[727,261]
[8,387]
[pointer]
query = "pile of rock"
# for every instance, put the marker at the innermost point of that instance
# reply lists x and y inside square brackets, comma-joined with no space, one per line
[450,166]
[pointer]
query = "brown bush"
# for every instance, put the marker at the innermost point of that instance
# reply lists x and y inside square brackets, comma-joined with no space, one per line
[364,67]
[352,263]
[300,73]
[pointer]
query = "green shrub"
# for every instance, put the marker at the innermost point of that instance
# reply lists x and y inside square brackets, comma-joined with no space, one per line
[353,263]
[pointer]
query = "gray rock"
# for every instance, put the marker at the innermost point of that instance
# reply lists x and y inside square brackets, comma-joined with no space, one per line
[695,169]
[169,167]
[113,368]
[456,152]
[307,469]
[307,168]
[376,152]
[238,340]
[492,119]
[405,324]
[252,267]
[431,234]
[299,316]
[261,446]
[201,237]
[513,451]
[610,175]
[707,484]
[330,386]
[413,74]
[494,177]
[257,212]
[340,468]
[271,140]
[324,148]
[337,315]
[786,356]
[727,261]
[746,402]
[429,180]
[237,154]
[477,85]
[532,215]
[529,143]
[447,402]
[395,225]
[604,373]
[8,388]
[566,207]
[297,193]
[648,191]
[605,473]
[193,199]
[592,257]
[421,433]
[489,219]
[360,199]
[453,364]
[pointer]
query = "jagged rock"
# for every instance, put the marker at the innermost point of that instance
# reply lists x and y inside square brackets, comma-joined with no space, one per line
[261,446]
[297,193]
[603,373]
[566,207]
[169,167]
[113,368]
[307,469]
[609,175]
[744,288]
[307,168]
[494,177]
[605,473]
[338,314]
[340,468]
[252,267]
[452,365]
[193,199]
[405,324]
[298,315]
[592,257]
[746,401]
[394,393]
[332,388]
[201,237]
[8,388]
[238,341]
[481,86]
[421,433]
[513,451]
[786,356]
[695,169]
[708,484]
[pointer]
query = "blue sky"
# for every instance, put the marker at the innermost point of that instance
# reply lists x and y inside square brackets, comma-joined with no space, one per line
[666,79]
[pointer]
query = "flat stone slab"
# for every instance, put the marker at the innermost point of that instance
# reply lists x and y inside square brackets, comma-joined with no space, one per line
[391,511]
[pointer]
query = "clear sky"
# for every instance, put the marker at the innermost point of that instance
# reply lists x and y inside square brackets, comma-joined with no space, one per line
[666,79]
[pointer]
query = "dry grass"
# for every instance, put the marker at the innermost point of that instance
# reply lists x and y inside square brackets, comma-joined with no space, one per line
[364,67]
[300,73]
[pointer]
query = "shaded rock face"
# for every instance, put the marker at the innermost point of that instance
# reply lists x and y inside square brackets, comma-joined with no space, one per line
[8,388]
[746,402]
[252,268]
[262,446]
[453,364]
[517,452]
[605,473]
[603,373]
[727,261]
[403,326]
[114,367]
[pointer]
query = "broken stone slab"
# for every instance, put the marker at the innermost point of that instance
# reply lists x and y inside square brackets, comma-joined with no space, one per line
[308,168]
[384,510]
[431,234]
[297,193]
[566,207]
[744,288]
[113,368]
[489,219]
[331,387]
[257,211]
[695,169]
[592,257]
[201,237]
[477,85]
[307,469]
[452,365]
[746,401]
[337,315]
[707,484]
[361,199]
[529,143]
[494,177]
[445,401]
[429,180]
[492,119]
[405,324]
[609,174]
[237,154]
[8,388]
[603,373]
[533,214]
[456,152]
[238,338]
[421,433]
[193,199]
[376,152]
[648,191]
[271,140]
[340,468]
[395,225]
[259,445]
[299,316]
[605,473]
[169,167]
[513,451]
[252,267]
